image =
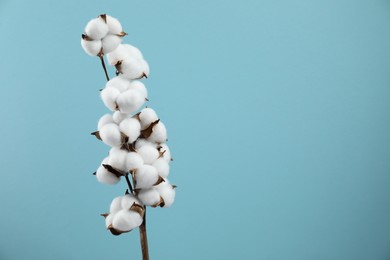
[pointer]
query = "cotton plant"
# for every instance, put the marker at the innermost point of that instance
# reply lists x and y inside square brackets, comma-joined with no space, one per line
[135,134]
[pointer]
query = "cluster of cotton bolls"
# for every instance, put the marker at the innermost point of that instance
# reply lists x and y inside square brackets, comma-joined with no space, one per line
[137,137]
[102,35]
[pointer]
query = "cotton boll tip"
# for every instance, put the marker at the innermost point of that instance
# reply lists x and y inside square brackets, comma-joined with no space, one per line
[114,26]
[147,116]
[96,28]
[130,101]
[111,135]
[146,177]
[131,127]
[110,43]
[149,154]
[91,47]
[159,133]
[103,175]
[149,197]
[126,220]
[109,96]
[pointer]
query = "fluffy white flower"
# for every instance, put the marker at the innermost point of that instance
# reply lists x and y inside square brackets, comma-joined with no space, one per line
[128,200]
[92,48]
[142,142]
[149,153]
[131,127]
[102,35]
[96,28]
[133,51]
[111,42]
[118,82]
[133,161]
[105,119]
[167,192]
[147,116]
[116,204]
[119,54]
[130,101]
[105,176]
[117,159]
[118,116]
[132,68]
[111,135]
[159,133]
[149,197]
[126,220]
[109,96]
[140,87]
[162,167]
[114,26]
[167,154]
[146,176]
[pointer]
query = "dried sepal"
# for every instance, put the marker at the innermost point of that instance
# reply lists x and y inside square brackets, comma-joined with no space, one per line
[103,17]
[105,215]
[138,208]
[149,130]
[113,170]
[160,180]
[161,203]
[116,232]
[86,37]
[97,135]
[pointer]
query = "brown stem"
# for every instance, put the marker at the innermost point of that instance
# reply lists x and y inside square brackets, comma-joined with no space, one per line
[104,66]
[129,184]
[144,239]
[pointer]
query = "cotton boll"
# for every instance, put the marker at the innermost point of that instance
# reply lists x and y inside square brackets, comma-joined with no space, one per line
[118,116]
[114,26]
[167,192]
[119,83]
[167,154]
[132,68]
[111,135]
[159,133]
[117,159]
[133,52]
[149,197]
[147,116]
[139,86]
[116,205]
[126,220]
[110,43]
[146,176]
[145,68]
[109,219]
[148,153]
[104,176]
[96,28]
[130,101]
[133,161]
[117,55]
[106,119]
[92,48]
[142,142]
[162,167]
[131,128]
[128,200]
[109,96]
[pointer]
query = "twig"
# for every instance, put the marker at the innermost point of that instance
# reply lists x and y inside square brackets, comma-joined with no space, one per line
[144,239]
[104,66]
[129,184]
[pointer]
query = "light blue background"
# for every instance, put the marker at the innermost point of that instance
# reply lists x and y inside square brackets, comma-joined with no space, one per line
[278,119]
